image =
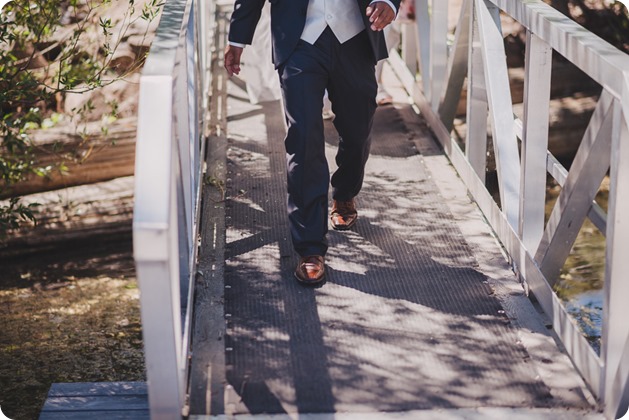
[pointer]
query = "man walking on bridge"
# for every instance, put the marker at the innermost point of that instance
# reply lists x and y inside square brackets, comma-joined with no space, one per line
[320,45]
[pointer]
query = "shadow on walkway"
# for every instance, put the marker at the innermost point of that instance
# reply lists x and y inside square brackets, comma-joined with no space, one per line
[406,321]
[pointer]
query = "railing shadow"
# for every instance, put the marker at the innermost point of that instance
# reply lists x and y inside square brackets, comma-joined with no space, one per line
[538,248]
[405,320]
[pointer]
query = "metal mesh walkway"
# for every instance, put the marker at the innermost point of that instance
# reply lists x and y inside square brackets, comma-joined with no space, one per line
[408,319]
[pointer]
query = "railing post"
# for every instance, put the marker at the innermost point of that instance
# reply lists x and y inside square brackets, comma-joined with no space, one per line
[206,10]
[183,115]
[538,67]
[501,109]
[587,171]
[169,153]
[408,48]
[155,239]
[423,41]
[438,50]
[518,221]
[615,334]
[457,67]
[477,111]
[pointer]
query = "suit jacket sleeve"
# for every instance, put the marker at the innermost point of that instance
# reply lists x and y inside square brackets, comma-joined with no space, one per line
[376,38]
[396,3]
[365,3]
[244,20]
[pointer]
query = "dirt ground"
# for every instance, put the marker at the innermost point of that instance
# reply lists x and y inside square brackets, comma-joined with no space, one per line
[71,315]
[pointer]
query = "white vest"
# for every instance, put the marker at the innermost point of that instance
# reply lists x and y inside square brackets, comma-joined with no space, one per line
[342,16]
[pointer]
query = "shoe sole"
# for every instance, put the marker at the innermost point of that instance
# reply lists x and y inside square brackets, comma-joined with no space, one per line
[310,282]
[343,227]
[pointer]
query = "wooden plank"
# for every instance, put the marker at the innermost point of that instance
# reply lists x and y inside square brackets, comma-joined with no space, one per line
[82,389]
[476,101]
[438,50]
[615,338]
[97,400]
[423,35]
[534,140]
[457,67]
[566,81]
[584,179]
[100,415]
[207,373]
[501,112]
[97,403]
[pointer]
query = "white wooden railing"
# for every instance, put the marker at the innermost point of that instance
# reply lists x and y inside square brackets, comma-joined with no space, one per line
[169,163]
[520,146]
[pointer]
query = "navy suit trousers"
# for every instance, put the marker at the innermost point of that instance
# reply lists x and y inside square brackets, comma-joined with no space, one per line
[347,71]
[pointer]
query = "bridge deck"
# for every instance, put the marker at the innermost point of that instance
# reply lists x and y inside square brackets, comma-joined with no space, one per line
[420,312]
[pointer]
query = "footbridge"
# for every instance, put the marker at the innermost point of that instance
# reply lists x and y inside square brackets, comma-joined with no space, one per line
[442,302]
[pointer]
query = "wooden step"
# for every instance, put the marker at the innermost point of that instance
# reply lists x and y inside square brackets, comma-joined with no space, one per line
[96,401]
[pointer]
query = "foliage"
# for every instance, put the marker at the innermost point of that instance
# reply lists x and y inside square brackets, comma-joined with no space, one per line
[14,211]
[606,18]
[49,48]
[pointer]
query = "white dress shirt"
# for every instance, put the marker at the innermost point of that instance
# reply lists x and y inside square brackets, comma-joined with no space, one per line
[342,16]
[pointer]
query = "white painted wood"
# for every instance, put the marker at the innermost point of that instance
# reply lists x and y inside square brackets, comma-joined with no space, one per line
[615,350]
[438,50]
[477,109]
[556,169]
[457,68]
[596,214]
[501,112]
[184,175]
[600,60]
[399,66]
[168,172]
[617,405]
[423,37]
[584,179]
[579,350]
[606,375]
[538,66]
[409,47]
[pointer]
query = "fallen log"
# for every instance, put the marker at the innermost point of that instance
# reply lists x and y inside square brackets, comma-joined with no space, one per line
[89,157]
[72,215]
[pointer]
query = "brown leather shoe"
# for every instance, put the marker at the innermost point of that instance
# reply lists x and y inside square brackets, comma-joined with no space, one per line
[343,215]
[310,270]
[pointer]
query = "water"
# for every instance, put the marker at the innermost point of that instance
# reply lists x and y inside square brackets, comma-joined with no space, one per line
[580,284]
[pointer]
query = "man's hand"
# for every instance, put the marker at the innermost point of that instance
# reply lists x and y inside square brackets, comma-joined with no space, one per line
[232,59]
[380,15]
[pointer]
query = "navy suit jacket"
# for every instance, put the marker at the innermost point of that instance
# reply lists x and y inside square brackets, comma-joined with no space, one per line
[288,18]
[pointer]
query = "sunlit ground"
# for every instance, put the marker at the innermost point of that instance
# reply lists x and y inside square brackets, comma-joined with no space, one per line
[68,316]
